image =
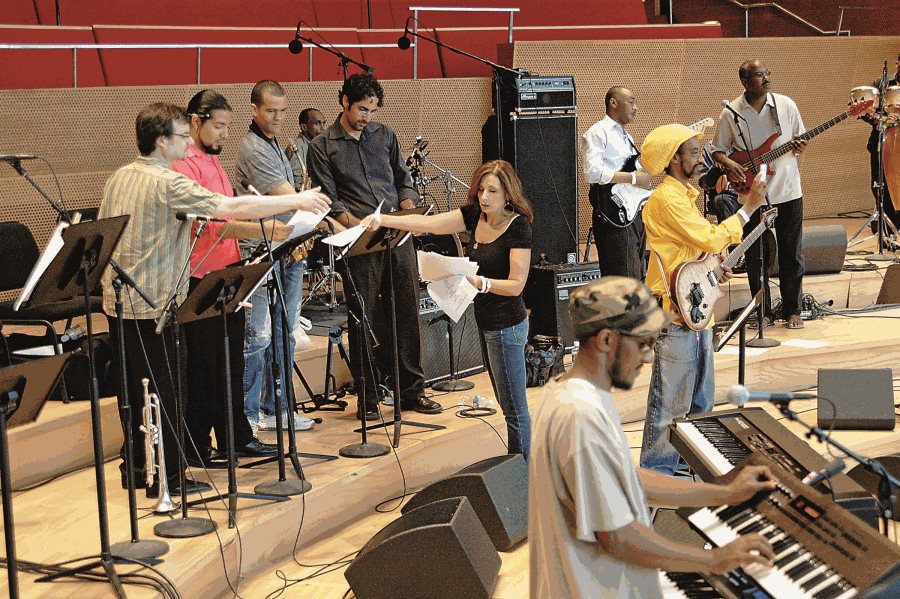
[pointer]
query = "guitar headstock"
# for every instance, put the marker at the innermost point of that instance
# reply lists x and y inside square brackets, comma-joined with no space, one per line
[702,125]
[768,217]
[860,107]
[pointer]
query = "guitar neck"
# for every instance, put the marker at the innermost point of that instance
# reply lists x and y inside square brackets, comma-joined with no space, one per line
[742,247]
[784,149]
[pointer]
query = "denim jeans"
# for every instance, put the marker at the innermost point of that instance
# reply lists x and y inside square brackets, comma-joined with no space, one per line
[504,356]
[682,382]
[258,349]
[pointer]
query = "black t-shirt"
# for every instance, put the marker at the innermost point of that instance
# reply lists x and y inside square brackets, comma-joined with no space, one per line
[495,312]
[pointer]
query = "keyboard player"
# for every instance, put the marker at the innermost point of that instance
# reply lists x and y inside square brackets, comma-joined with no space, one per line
[589,529]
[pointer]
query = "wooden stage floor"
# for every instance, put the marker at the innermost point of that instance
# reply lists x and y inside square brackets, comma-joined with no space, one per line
[57,520]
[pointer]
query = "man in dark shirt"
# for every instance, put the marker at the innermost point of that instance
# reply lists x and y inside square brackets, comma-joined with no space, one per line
[358,165]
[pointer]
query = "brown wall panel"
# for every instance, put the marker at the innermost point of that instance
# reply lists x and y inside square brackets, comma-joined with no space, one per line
[87,133]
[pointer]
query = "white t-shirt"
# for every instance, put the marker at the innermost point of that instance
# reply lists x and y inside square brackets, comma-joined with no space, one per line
[581,480]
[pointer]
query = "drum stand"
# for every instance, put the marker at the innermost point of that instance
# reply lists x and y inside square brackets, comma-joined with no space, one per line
[886,231]
[326,284]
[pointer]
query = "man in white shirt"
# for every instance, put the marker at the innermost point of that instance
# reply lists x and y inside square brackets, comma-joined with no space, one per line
[611,158]
[589,529]
[766,114]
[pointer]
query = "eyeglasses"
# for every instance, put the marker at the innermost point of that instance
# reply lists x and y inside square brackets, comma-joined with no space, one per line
[363,111]
[182,135]
[760,74]
[646,344]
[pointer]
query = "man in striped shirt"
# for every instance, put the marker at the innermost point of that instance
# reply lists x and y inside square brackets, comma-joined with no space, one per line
[154,247]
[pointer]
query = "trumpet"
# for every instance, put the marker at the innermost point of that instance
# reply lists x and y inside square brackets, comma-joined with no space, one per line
[155,465]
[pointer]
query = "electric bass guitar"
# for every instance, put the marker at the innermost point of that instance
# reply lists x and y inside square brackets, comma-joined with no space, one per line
[766,155]
[695,284]
[619,203]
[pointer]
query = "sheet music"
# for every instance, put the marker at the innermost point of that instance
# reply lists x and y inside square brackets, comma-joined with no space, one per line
[349,236]
[452,295]
[54,244]
[302,222]
[434,266]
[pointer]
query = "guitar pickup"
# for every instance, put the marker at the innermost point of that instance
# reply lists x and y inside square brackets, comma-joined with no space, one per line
[696,294]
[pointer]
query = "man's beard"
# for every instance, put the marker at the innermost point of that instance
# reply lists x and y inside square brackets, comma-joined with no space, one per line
[616,376]
[210,149]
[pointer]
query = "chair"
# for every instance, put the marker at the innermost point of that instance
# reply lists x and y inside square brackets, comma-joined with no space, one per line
[18,254]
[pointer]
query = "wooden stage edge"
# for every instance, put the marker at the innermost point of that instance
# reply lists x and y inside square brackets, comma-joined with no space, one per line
[58,520]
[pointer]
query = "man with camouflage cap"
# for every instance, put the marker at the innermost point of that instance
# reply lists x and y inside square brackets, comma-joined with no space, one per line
[589,529]
[682,381]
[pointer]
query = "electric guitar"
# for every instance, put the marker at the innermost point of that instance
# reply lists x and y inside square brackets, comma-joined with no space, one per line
[695,284]
[619,203]
[766,155]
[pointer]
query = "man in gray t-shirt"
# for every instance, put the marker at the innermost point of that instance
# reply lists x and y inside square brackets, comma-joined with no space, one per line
[589,529]
[262,164]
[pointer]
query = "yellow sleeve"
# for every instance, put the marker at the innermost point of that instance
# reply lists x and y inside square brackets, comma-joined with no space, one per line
[683,223]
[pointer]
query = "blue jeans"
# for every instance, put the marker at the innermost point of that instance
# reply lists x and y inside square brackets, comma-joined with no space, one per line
[504,356]
[682,382]
[258,348]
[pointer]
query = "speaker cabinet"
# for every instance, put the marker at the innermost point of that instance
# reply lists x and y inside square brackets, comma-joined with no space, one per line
[498,490]
[862,399]
[435,342]
[824,250]
[543,148]
[547,294]
[440,551]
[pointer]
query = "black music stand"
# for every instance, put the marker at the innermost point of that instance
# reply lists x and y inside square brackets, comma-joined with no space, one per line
[76,270]
[740,325]
[282,486]
[218,294]
[386,239]
[39,378]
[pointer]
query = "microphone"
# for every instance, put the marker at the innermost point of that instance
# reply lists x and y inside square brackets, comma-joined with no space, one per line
[739,395]
[245,183]
[404,42]
[188,216]
[727,106]
[295,46]
[831,469]
[16,157]
[418,151]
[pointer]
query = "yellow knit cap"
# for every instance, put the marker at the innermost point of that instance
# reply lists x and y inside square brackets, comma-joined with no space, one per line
[661,144]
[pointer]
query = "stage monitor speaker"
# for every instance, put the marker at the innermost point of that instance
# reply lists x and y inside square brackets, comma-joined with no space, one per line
[439,551]
[890,286]
[436,346]
[543,148]
[824,250]
[863,399]
[547,294]
[498,490]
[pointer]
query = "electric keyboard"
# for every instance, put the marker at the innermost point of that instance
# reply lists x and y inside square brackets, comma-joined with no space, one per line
[820,551]
[712,444]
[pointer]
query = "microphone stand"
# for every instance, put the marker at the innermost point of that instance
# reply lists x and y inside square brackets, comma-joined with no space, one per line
[344,59]
[497,70]
[760,340]
[887,482]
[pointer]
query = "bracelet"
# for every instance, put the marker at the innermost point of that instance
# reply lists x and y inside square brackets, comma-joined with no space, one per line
[634,177]
[485,285]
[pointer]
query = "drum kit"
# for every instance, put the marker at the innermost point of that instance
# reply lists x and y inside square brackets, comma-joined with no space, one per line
[884,115]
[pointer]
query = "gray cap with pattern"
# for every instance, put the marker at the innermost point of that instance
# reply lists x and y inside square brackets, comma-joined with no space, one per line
[615,303]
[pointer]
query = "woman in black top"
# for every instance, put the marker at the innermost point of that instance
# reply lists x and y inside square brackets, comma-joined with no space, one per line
[499,219]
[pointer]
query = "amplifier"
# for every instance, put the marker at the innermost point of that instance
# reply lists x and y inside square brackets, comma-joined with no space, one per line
[547,294]
[533,93]
[435,343]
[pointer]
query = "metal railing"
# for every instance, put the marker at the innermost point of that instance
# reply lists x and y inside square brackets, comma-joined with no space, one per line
[747,7]
[878,8]
[198,47]
[417,9]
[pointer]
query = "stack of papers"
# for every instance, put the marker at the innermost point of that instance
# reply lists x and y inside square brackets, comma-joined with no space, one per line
[447,284]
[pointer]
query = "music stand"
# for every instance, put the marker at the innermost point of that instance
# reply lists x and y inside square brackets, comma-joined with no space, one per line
[740,324]
[282,486]
[218,294]
[386,239]
[38,378]
[76,270]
